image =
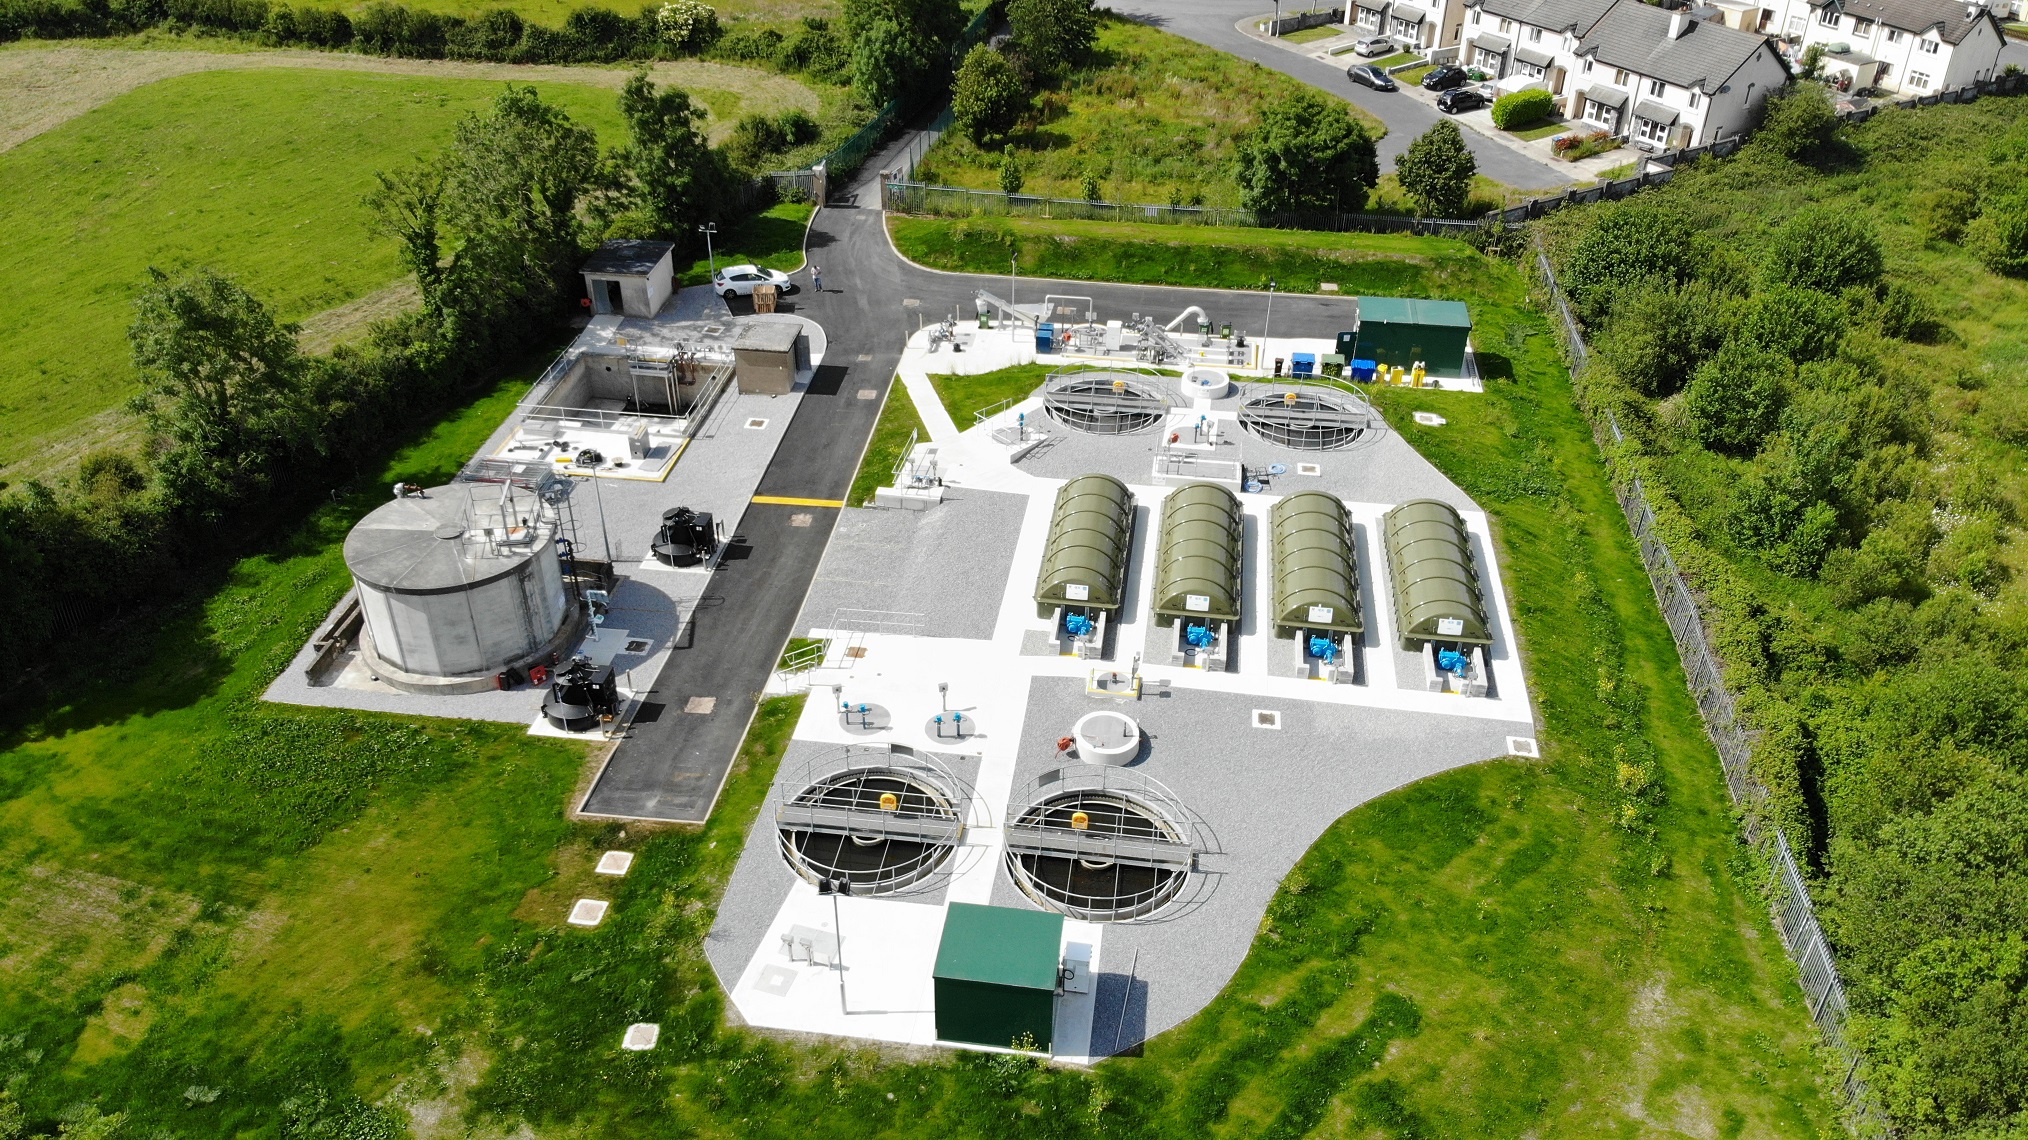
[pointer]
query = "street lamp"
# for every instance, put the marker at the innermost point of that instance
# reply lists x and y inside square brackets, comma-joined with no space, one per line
[708,229]
[1270,322]
[834,888]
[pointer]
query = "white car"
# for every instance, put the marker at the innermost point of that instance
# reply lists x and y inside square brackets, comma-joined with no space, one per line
[741,280]
[1378,45]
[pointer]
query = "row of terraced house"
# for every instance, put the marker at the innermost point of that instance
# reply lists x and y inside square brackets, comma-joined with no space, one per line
[1665,78]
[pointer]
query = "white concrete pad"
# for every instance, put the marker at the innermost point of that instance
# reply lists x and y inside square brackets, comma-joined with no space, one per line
[588,912]
[641,1036]
[615,863]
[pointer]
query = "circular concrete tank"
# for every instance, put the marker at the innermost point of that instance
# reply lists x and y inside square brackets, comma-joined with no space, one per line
[1209,383]
[457,583]
[1107,738]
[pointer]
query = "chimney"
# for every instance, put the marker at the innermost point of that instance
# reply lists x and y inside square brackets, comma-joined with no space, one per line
[1679,22]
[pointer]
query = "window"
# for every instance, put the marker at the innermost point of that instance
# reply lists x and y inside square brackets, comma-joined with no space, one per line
[1404,28]
[1587,65]
[1696,100]
[1894,35]
[1370,19]
[1657,88]
[1828,17]
[1475,16]
[1928,46]
[1861,26]
[1795,31]
[1919,79]
[1620,76]
[1506,25]
[1535,35]
[1652,131]
[1604,116]
[1529,70]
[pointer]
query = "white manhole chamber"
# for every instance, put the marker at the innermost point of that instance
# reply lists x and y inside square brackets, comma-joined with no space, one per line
[883,821]
[1102,844]
[1106,401]
[1307,418]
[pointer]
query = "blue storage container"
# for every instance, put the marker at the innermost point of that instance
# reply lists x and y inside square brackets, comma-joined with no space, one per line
[1045,337]
[1302,364]
[1362,371]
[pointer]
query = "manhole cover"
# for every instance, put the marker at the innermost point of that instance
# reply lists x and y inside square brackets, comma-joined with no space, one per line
[702,706]
[855,651]
[868,393]
[756,424]
[1265,718]
[800,518]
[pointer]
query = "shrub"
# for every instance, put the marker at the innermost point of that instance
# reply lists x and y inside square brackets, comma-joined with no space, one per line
[815,49]
[988,97]
[1010,174]
[687,25]
[1825,248]
[1801,324]
[1735,398]
[751,44]
[1053,36]
[1522,108]
[1941,212]
[1659,334]
[1634,240]
[1800,125]
[1999,236]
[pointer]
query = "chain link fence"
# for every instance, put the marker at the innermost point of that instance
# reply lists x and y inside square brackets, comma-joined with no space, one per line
[1794,914]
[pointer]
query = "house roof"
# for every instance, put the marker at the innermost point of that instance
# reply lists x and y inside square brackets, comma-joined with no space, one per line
[1414,311]
[632,257]
[1635,36]
[1556,15]
[1953,19]
[1606,96]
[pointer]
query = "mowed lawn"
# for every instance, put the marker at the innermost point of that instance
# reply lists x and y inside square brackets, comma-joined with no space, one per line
[257,173]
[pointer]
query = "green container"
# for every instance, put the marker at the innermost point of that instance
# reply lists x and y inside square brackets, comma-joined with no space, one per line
[996,975]
[1402,330]
[1084,563]
[1197,562]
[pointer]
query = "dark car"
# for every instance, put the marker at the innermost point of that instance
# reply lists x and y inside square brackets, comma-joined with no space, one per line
[1444,78]
[1458,100]
[1367,75]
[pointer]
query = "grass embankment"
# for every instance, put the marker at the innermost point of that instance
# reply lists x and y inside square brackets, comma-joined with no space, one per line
[228,918]
[965,396]
[1312,35]
[898,421]
[258,173]
[1210,256]
[1154,117]
[772,239]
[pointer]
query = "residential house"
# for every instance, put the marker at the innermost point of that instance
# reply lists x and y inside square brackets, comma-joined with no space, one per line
[1419,24]
[1655,77]
[1909,47]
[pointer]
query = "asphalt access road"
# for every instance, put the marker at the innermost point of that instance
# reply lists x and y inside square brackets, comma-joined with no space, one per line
[1211,23]
[671,768]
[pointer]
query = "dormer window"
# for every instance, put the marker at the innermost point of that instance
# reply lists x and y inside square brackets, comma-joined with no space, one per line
[1587,65]
[1696,100]
[1861,26]
[1894,35]
[1828,17]
[1535,35]
[1475,16]
[1928,46]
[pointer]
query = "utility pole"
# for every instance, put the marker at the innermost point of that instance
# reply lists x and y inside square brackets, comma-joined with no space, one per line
[708,229]
[1269,323]
[834,888]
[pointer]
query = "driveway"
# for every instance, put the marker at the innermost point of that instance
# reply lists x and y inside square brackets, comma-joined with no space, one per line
[1212,23]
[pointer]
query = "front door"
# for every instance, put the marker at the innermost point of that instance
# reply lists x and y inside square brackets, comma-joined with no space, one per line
[614,304]
[1556,82]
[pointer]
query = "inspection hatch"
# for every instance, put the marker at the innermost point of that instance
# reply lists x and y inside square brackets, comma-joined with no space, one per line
[1267,718]
[756,424]
[1103,844]
[884,819]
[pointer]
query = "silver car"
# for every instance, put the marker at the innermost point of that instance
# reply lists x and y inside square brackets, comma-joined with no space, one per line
[1376,45]
[742,280]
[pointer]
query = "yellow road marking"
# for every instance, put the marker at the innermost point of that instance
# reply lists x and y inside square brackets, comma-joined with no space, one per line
[789,501]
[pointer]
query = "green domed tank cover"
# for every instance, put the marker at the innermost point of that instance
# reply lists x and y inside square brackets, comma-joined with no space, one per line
[1316,577]
[1084,563]
[1197,561]
[1436,589]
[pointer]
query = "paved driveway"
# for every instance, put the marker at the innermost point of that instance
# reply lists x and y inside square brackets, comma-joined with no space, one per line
[1211,23]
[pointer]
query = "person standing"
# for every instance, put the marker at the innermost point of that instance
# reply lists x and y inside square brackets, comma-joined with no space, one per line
[816,279]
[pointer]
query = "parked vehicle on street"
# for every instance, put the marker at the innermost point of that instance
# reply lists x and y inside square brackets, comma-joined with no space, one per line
[1458,100]
[1445,77]
[1372,46]
[1367,75]
[742,280]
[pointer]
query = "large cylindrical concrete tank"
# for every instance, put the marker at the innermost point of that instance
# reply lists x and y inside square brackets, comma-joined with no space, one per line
[458,581]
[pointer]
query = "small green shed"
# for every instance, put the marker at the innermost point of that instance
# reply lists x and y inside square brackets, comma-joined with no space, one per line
[996,975]
[1402,330]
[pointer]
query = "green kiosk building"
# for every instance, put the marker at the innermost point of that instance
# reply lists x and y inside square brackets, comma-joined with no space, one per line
[1394,331]
[996,975]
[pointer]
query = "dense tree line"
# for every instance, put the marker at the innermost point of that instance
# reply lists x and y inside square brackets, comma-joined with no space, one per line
[1793,412]
[247,430]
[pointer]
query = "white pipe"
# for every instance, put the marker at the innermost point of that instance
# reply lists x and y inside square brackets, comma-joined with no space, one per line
[1171,326]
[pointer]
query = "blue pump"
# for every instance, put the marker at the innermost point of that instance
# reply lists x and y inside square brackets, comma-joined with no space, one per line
[1451,661]
[1198,635]
[1078,624]
[1324,649]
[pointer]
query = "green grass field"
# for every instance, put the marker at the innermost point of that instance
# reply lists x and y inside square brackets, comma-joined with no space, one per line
[898,420]
[772,239]
[1156,117]
[258,173]
[1397,265]
[965,395]
[1312,35]
[230,918]
[554,12]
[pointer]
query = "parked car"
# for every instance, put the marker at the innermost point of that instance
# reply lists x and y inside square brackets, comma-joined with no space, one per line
[1445,77]
[1372,46]
[742,280]
[1367,75]
[1458,100]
